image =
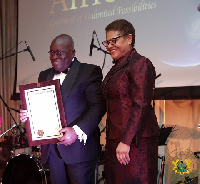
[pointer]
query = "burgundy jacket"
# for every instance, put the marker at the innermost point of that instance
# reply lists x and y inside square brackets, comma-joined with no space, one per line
[128,89]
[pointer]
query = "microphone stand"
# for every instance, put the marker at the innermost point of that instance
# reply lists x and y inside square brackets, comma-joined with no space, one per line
[104,51]
[15,125]
[100,49]
[2,57]
[154,92]
[13,54]
[8,109]
[9,129]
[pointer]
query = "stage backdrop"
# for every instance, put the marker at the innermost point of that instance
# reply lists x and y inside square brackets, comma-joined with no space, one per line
[167,32]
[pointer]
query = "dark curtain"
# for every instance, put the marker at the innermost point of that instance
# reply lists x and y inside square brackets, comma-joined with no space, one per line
[8,43]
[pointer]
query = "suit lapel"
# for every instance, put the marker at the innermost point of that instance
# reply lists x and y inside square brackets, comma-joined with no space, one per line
[124,62]
[50,75]
[113,70]
[70,79]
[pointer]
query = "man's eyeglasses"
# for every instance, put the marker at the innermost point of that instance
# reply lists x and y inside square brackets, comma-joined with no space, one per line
[58,53]
[111,41]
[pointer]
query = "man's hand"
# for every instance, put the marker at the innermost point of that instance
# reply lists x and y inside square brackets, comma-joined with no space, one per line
[69,136]
[23,115]
[122,153]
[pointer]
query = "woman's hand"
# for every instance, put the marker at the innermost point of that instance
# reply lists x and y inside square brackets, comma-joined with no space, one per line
[122,153]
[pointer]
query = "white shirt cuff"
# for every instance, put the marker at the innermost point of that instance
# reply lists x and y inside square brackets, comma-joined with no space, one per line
[81,135]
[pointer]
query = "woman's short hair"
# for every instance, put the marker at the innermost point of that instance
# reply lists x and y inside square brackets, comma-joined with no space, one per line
[123,26]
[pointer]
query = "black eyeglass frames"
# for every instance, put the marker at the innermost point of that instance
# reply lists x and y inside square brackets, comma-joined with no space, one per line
[111,41]
[58,53]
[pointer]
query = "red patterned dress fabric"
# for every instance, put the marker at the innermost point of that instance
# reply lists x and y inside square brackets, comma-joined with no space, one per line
[128,91]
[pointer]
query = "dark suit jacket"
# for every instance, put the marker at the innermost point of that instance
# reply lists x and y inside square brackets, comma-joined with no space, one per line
[128,89]
[83,106]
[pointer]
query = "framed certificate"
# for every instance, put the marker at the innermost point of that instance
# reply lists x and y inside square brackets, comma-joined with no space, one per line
[43,101]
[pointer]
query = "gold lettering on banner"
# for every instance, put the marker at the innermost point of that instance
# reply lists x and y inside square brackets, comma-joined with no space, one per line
[96,2]
[134,6]
[109,1]
[137,7]
[62,2]
[83,4]
[73,5]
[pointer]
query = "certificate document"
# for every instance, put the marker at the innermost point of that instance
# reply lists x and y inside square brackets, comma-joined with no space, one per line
[43,101]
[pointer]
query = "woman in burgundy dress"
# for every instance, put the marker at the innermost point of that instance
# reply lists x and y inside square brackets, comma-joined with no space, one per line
[131,154]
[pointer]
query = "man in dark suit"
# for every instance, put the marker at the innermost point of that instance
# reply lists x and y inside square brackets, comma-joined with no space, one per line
[74,158]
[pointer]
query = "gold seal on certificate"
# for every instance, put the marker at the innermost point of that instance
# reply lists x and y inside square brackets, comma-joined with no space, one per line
[43,101]
[40,133]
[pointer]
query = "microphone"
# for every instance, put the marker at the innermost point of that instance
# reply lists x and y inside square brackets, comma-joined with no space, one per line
[158,76]
[92,44]
[16,110]
[29,50]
